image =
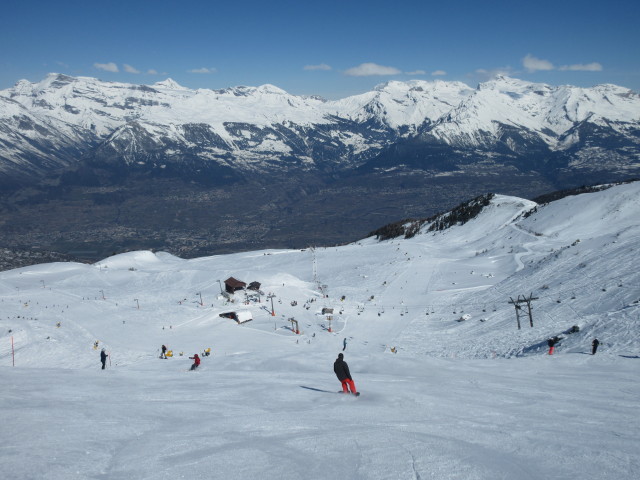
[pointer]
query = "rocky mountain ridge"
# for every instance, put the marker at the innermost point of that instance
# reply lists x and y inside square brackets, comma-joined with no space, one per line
[63,122]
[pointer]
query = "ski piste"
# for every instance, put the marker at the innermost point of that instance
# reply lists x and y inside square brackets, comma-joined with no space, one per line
[442,395]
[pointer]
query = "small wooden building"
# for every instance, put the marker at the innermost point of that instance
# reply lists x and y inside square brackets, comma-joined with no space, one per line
[232,285]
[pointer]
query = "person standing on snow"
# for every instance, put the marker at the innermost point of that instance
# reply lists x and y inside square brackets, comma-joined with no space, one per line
[594,346]
[103,358]
[341,370]
[196,361]
[164,352]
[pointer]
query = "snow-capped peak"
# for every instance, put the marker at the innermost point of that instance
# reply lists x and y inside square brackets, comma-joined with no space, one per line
[270,89]
[444,112]
[170,84]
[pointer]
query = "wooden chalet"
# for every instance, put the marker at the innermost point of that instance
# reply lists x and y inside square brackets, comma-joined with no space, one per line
[232,285]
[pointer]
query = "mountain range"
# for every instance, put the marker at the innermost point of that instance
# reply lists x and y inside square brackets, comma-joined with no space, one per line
[63,121]
[408,148]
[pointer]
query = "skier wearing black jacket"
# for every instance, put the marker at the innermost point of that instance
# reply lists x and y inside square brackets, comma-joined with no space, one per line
[103,359]
[341,370]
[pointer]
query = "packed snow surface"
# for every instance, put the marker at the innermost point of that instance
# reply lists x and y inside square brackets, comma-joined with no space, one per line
[451,388]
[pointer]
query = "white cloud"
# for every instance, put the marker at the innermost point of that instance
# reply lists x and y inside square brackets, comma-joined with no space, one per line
[416,72]
[107,67]
[439,73]
[370,69]
[130,69]
[202,70]
[151,71]
[322,66]
[589,67]
[533,64]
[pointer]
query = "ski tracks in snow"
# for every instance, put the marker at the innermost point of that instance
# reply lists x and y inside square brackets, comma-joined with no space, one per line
[527,246]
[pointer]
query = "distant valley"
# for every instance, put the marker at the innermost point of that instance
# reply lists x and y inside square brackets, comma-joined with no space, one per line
[90,168]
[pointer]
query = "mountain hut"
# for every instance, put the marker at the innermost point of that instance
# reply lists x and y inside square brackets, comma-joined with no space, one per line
[232,285]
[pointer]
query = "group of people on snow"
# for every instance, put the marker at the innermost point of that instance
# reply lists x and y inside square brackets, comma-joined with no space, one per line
[553,341]
[340,367]
[195,358]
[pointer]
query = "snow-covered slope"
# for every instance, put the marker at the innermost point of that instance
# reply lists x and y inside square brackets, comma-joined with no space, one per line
[403,104]
[248,122]
[76,100]
[581,246]
[451,387]
[265,128]
[547,112]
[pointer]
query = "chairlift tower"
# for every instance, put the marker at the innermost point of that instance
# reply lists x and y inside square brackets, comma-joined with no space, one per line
[523,300]
[270,297]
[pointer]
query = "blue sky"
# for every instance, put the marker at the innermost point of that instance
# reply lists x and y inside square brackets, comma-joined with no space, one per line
[329,48]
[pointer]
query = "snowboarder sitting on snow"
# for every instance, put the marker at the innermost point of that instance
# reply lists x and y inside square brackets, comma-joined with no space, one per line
[341,369]
[196,361]
[103,358]
[164,352]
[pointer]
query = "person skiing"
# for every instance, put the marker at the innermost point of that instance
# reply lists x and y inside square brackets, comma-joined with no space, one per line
[594,346]
[341,370]
[551,343]
[344,344]
[196,361]
[103,358]
[164,352]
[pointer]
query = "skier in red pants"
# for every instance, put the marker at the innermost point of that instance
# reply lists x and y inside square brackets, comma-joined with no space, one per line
[341,369]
